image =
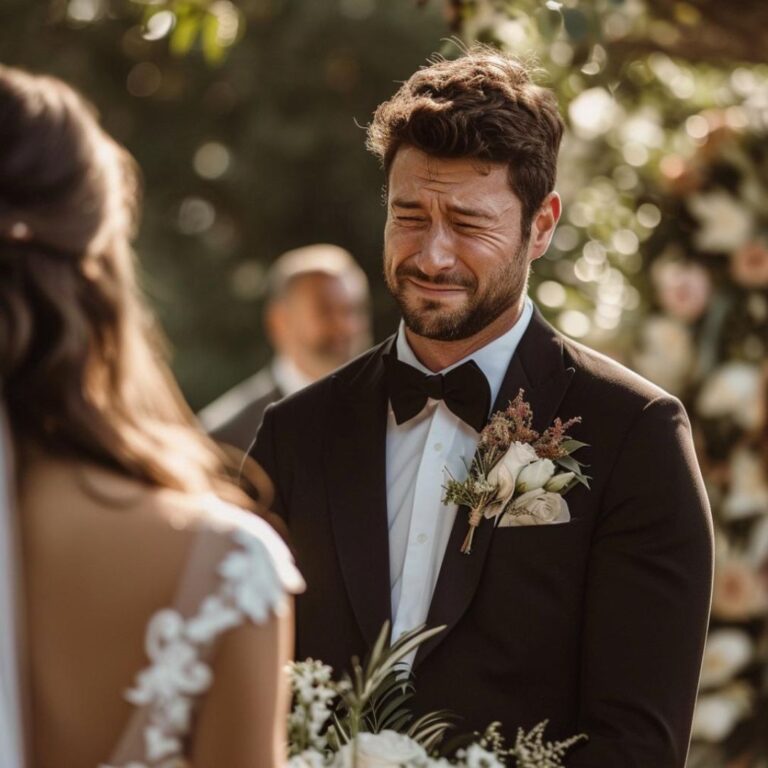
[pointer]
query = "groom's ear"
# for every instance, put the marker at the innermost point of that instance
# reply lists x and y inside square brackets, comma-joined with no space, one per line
[543,226]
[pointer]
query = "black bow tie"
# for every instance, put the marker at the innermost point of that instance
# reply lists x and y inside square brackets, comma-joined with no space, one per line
[464,390]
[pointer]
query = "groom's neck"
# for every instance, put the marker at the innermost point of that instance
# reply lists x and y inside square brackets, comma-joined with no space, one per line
[437,355]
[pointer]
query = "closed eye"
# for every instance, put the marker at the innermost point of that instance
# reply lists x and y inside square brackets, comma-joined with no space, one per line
[466,225]
[418,219]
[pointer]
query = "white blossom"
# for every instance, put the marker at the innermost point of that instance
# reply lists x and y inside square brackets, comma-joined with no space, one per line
[726,653]
[504,473]
[557,483]
[386,749]
[536,507]
[717,714]
[535,475]
[726,224]
[733,390]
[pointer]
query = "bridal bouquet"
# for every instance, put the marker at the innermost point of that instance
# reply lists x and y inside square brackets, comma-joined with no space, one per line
[518,476]
[363,721]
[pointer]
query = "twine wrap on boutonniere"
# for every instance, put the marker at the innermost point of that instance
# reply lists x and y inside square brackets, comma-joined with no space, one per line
[518,476]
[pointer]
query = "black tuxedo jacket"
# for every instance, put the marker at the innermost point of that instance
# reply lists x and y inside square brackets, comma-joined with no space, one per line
[597,624]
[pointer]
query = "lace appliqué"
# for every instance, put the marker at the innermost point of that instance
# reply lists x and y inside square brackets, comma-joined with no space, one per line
[251,587]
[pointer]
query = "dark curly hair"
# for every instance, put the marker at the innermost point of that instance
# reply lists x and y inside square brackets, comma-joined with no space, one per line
[482,105]
[81,360]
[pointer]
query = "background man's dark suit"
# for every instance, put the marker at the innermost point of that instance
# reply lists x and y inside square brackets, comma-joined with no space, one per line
[235,418]
[597,624]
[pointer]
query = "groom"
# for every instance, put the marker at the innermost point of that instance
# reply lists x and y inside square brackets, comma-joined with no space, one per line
[597,623]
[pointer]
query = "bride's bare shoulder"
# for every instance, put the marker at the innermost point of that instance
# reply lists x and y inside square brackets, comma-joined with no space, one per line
[77,512]
[80,492]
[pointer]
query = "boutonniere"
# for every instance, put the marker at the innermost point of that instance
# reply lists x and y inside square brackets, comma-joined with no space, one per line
[518,476]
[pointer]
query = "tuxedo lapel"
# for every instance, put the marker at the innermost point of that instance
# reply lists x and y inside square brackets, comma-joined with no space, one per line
[357,489]
[537,367]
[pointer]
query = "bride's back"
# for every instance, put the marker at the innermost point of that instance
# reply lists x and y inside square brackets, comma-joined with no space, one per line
[120,497]
[102,554]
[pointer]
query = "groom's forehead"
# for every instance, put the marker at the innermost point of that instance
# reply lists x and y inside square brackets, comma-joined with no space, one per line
[414,168]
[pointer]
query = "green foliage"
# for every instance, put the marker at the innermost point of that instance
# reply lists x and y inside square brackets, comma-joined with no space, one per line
[377,694]
[242,160]
[213,25]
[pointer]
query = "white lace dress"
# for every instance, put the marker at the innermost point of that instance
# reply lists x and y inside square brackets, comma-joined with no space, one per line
[238,570]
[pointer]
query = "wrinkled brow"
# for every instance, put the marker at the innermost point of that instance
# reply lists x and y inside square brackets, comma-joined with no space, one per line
[413,205]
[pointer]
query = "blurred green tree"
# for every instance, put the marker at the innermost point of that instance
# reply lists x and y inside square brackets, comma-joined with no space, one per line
[245,154]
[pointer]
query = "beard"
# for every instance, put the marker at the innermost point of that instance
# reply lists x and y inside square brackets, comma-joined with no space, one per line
[432,320]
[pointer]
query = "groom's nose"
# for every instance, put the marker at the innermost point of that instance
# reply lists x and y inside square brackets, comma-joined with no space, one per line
[438,250]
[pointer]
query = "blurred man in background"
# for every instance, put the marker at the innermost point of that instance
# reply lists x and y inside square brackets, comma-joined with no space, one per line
[316,319]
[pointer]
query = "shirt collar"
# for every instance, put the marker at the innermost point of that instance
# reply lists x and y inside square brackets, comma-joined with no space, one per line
[493,359]
[288,377]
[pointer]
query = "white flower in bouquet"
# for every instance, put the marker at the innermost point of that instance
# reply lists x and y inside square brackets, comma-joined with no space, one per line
[667,354]
[537,507]
[476,756]
[717,714]
[535,475]
[734,390]
[310,758]
[726,223]
[748,492]
[505,472]
[559,481]
[727,652]
[314,694]
[387,749]
[366,696]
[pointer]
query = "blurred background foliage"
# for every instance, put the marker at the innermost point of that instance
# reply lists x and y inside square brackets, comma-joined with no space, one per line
[245,117]
[250,143]
[661,260]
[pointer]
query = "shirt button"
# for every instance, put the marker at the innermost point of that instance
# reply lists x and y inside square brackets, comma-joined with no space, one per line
[438,446]
[421,538]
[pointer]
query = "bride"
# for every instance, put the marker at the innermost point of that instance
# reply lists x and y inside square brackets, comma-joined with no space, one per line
[151,616]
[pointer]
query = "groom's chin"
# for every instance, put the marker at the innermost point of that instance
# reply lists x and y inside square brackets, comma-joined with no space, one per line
[434,324]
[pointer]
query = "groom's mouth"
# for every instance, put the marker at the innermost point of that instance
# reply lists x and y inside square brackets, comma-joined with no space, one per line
[436,291]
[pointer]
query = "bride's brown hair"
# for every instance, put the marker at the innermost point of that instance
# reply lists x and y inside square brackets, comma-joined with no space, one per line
[81,360]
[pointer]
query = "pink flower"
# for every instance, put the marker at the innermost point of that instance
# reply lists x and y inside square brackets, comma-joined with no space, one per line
[683,288]
[739,591]
[749,265]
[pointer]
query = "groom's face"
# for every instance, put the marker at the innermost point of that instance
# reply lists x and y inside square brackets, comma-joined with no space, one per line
[456,254]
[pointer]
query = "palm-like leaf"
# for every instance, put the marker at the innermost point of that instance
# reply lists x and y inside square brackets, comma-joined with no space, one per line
[378,693]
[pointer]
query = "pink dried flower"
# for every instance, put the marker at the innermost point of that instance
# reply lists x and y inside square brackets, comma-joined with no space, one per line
[549,445]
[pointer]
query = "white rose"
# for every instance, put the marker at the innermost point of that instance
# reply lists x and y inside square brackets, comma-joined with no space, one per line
[717,714]
[558,482]
[727,652]
[507,468]
[308,759]
[535,475]
[381,750]
[726,224]
[536,508]
[734,390]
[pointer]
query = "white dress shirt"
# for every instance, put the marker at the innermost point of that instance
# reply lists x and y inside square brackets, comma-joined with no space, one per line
[418,453]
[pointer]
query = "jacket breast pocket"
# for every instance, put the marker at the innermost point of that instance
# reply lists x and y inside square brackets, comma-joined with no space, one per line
[529,562]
